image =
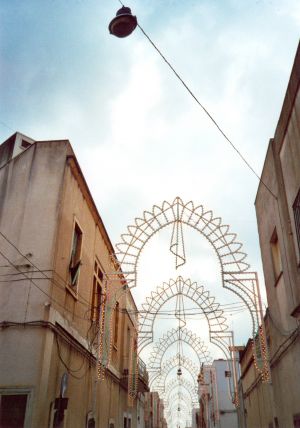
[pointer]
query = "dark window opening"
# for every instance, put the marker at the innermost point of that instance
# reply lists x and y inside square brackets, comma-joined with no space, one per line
[276,256]
[91,423]
[296,209]
[116,323]
[13,410]
[75,261]
[25,144]
[297,420]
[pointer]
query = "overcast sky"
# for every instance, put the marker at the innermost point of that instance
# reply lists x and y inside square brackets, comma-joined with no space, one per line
[138,135]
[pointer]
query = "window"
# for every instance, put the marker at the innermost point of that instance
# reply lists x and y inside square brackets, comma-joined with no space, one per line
[116,323]
[75,261]
[25,144]
[296,209]
[13,410]
[125,422]
[276,257]
[297,420]
[97,293]
[91,423]
[127,343]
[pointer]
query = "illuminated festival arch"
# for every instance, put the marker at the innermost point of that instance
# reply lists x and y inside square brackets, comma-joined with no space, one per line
[235,272]
[158,380]
[219,333]
[182,383]
[172,336]
[181,395]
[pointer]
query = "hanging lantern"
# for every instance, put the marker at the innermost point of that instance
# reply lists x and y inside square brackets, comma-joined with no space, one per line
[123,24]
[179,372]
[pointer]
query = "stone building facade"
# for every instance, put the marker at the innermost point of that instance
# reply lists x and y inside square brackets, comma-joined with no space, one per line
[278,217]
[216,407]
[55,283]
[255,397]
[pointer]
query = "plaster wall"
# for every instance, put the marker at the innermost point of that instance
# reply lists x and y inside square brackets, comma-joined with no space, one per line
[42,193]
[257,396]
[281,173]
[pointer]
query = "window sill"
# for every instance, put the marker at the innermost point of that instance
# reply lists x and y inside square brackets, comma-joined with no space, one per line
[278,279]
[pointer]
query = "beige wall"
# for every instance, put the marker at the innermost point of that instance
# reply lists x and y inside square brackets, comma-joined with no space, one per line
[257,403]
[281,173]
[43,192]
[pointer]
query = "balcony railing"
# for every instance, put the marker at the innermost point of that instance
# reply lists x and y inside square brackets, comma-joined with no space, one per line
[143,374]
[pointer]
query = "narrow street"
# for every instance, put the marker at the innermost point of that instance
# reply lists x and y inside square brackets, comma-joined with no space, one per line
[126,298]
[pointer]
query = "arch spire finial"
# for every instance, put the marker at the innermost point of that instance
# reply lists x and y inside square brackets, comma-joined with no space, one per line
[177,240]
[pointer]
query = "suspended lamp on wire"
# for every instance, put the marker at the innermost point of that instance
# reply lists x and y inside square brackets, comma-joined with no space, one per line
[123,24]
[179,372]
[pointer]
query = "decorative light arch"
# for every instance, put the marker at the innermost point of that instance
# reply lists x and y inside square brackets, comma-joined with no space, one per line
[219,333]
[173,336]
[181,395]
[183,383]
[158,380]
[234,268]
[235,272]
[179,403]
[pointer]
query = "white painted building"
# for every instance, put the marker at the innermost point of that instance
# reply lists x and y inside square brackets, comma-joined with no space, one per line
[216,407]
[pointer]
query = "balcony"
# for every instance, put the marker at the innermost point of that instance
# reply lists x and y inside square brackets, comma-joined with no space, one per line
[143,377]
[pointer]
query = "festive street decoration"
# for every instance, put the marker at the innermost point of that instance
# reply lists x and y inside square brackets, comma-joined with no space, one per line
[234,272]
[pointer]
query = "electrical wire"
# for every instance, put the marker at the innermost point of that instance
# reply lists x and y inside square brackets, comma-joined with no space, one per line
[69,370]
[90,307]
[6,126]
[210,116]
[41,290]
[36,267]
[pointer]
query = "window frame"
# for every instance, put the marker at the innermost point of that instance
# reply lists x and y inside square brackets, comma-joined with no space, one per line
[22,391]
[75,259]
[97,284]
[296,213]
[276,257]
[296,420]
[116,325]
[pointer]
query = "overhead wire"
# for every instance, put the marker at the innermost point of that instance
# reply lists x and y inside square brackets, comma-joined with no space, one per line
[37,268]
[6,126]
[19,272]
[209,115]
[41,290]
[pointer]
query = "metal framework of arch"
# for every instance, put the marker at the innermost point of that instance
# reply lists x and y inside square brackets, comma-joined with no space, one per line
[180,395]
[219,334]
[180,420]
[173,336]
[182,405]
[158,380]
[184,383]
[234,268]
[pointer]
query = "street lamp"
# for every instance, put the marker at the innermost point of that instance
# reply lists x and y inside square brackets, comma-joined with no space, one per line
[123,24]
